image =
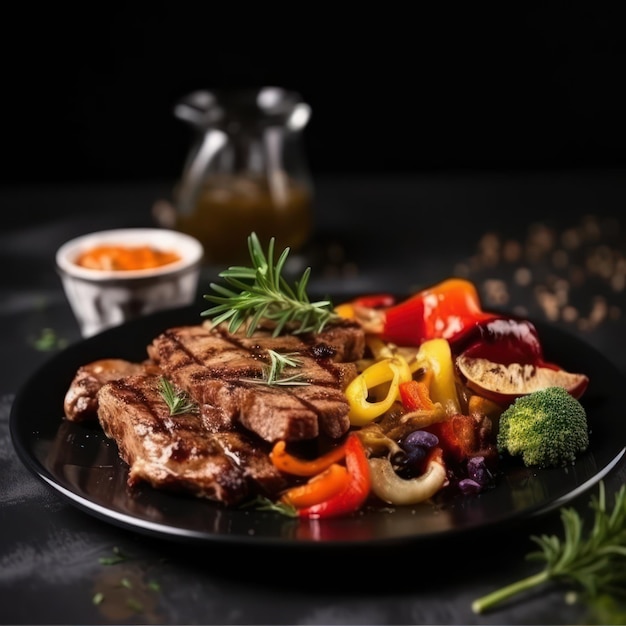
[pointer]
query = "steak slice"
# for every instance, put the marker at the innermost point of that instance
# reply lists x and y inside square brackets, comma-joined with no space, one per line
[218,369]
[80,402]
[176,452]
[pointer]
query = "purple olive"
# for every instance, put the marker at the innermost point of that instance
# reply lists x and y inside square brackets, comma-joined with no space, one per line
[477,471]
[468,486]
[415,447]
[419,438]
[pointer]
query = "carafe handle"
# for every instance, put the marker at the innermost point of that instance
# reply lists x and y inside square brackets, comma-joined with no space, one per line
[191,182]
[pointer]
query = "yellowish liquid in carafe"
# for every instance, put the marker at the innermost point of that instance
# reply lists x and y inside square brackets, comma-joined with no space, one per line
[230,207]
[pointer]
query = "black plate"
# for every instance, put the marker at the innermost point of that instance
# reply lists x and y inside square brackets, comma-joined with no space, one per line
[84,467]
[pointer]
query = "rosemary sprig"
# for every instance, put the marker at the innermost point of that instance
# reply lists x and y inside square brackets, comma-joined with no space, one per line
[262,292]
[262,503]
[595,563]
[273,372]
[178,402]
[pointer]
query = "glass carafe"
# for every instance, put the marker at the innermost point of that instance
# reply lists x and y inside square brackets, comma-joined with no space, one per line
[246,172]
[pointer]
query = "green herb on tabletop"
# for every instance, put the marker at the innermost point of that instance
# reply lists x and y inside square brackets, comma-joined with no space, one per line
[262,292]
[48,340]
[592,562]
[177,401]
[129,588]
[118,557]
[273,373]
[603,609]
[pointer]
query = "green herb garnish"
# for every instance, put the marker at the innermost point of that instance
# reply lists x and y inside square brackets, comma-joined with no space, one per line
[261,503]
[262,292]
[177,401]
[595,563]
[273,373]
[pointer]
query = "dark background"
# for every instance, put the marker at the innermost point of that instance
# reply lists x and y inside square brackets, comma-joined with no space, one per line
[89,92]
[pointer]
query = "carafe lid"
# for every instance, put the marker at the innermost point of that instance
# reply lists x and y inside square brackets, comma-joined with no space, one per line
[225,109]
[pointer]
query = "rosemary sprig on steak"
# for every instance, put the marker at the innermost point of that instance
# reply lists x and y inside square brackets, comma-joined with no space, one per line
[262,292]
[273,373]
[178,402]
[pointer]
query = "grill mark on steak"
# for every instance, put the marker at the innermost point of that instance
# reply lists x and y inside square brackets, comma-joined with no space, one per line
[213,366]
[176,452]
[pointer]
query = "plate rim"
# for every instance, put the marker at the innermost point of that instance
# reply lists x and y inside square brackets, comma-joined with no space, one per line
[167,531]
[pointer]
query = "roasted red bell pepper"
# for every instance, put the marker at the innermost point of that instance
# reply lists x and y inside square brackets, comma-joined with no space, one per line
[452,310]
[370,302]
[462,437]
[375,301]
[352,497]
[445,310]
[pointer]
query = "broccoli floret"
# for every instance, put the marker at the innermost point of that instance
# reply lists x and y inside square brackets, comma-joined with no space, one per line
[546,428]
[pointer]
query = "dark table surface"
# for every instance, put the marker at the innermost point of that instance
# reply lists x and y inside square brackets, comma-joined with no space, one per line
[544,244]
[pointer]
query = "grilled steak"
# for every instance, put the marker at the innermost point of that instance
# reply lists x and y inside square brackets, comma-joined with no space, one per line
[219,369]
[221,450]
[80,402]
[175,452]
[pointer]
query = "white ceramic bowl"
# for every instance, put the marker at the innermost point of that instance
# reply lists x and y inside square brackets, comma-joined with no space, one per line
[104,298]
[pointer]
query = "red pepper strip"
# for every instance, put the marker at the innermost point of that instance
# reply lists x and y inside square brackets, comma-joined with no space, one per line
[290,464]
[415,395]
[319,488]
[462,437]
[356,491]
[444,310]
[348,309]
[375,301]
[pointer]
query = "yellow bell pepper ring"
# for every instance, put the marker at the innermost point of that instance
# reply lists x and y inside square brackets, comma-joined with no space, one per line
[435,355]
[345,310]
[392,370]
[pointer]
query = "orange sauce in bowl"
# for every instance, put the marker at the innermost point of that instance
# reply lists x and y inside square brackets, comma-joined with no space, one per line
[111,257]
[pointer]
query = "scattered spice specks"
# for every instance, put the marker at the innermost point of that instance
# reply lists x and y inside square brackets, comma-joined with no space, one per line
[547,267]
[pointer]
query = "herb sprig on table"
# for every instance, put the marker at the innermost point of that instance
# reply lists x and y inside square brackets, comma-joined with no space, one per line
[262,292]
[591,561]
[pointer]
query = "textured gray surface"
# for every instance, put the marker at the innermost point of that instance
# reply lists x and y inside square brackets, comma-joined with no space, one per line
[422,230]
